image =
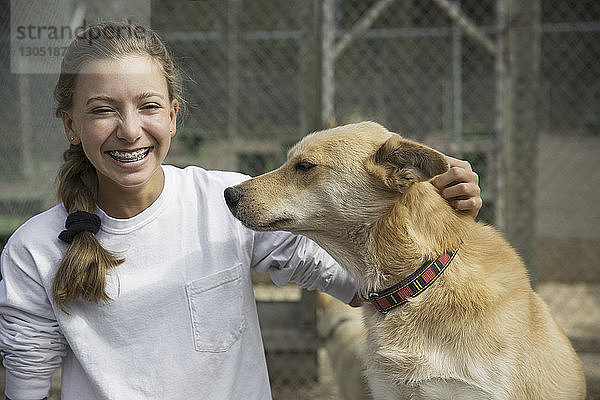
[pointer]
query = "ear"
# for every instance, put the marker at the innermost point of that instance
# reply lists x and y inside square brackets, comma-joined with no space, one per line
[173,111]
[399,163]
[72,137]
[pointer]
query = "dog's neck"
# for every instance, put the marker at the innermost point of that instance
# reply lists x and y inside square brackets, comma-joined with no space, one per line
[419,226]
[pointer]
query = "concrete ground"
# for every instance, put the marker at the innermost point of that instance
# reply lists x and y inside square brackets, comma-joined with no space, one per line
[576,308]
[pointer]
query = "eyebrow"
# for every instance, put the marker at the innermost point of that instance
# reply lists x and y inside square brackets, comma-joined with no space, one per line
[148,94]
[99,98]
[141,96]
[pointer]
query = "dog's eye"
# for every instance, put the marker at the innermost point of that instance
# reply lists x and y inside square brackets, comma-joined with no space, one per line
[304,166]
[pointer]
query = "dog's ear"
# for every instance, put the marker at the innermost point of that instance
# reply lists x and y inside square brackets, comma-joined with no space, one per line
[399,163]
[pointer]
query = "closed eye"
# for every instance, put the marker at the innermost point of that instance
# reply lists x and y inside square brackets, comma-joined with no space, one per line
[151,106]
[102,110]
[304,166]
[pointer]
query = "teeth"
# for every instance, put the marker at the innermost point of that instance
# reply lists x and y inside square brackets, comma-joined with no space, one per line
[129,156]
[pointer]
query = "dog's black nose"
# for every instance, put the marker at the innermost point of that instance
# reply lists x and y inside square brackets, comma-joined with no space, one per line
[232,197]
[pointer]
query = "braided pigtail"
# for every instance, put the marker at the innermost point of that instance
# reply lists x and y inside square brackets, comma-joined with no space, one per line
[82,271]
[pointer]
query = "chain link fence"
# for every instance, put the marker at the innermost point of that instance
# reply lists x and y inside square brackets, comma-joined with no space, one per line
[261,74]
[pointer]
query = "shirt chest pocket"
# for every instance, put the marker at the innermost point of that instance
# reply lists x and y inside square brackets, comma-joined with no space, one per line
[216,308]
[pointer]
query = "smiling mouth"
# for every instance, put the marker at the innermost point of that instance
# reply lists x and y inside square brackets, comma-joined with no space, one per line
[129,156]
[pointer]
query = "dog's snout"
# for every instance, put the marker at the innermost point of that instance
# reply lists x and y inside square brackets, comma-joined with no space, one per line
[232,196]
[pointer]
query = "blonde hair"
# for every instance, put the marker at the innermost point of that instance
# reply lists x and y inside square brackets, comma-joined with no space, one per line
[82,271]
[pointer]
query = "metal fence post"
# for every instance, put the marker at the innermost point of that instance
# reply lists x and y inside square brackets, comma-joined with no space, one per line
[310,67]
[233,68]
[520,124]
[328,64]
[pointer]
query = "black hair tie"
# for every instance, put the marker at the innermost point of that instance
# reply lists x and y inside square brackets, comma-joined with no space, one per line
[79,221]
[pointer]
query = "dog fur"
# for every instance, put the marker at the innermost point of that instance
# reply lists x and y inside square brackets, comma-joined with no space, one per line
[344,338]
[479,332]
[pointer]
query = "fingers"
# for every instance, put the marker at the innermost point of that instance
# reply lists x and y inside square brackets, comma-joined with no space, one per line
[463,190]
[455,162]
[470,206]
[460,171]
[464,197]
[460,186]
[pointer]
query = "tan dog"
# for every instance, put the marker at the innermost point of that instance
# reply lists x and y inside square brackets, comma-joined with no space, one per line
[476,330]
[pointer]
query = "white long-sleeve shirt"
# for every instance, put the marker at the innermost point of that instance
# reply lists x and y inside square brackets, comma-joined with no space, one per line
[182,322]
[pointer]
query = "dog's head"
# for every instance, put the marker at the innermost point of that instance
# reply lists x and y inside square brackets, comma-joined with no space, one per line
[334,180]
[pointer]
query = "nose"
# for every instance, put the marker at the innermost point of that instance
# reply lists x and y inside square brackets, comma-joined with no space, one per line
[130,128]
[232,197]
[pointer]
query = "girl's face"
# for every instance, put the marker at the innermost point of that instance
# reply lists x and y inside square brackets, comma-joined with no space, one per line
[123,118]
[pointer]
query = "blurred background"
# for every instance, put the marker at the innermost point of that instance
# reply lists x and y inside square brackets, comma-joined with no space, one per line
[512,86]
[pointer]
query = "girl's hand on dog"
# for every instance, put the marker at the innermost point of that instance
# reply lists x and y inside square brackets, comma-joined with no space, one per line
[460,186]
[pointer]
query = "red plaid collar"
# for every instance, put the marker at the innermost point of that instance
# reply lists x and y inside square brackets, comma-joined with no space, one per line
[414,285]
